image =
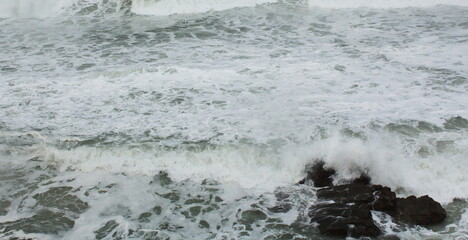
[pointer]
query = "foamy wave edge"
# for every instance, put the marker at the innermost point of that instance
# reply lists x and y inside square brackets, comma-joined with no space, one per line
[168,7]
[252,167]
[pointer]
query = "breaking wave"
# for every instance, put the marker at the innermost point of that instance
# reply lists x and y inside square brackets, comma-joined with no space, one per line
[420,166]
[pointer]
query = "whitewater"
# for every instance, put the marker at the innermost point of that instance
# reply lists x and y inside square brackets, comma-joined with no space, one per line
[176,119]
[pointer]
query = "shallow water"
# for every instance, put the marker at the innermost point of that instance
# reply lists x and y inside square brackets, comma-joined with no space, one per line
[187,120]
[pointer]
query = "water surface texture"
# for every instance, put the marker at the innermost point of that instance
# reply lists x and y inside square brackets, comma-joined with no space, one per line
[183,119]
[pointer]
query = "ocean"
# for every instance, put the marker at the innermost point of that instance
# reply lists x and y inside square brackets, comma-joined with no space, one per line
[184,119]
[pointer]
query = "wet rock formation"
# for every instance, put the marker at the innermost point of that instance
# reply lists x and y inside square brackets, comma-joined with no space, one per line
[375,197]
[421,211]
[343,220]
[345,210]
[319,174]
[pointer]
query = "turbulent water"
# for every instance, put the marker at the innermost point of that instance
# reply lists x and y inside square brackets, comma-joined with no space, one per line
[184,119]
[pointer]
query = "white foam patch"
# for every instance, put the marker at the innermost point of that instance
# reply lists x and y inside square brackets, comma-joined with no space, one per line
[396,163]
[246,167]
[168,7]
[384,3]
[463,226]
[388,160]
[33,8]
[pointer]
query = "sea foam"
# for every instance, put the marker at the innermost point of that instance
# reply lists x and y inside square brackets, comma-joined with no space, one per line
[167,7]
[33,8]
[388,159]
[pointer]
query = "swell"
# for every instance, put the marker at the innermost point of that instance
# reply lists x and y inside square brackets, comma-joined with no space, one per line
[52,8]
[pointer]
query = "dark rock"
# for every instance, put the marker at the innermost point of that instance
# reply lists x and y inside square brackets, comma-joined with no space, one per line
[375,197]
[321,176]
[338,219]
[389,237]
[363,179]
[350,214]
[384,198]
[348,193]
[422,211]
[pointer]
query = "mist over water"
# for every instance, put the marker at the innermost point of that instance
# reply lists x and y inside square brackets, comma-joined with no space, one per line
[186,119]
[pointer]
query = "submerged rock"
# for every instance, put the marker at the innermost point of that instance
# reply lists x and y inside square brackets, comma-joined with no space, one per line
[338,219]
[422,211]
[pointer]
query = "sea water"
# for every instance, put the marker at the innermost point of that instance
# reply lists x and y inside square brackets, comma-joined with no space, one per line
[184,119]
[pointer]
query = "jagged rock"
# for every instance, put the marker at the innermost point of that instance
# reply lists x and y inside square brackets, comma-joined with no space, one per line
[363,179]
[384,198]
[348,193]
[338,219]
[375,197]
[321,176]
[422,211]
[350,214]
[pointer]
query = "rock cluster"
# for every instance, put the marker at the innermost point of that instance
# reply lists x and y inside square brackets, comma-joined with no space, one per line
[345,210]
[344,220]
[421,211]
